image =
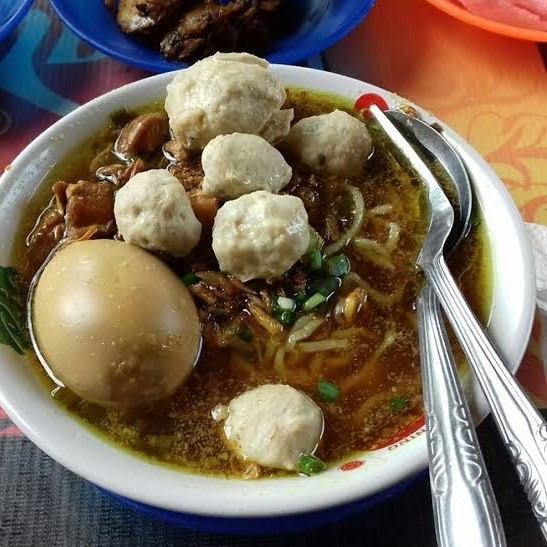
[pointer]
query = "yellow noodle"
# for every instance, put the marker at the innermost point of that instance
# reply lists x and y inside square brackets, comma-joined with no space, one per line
[302,331]
[354,302]
[349,332]
[381,209]
[375,252]
[316,364]
[382,299]
[357,222]
[266,321]
[341,361]
[359,378]
[279,362]
[323,345]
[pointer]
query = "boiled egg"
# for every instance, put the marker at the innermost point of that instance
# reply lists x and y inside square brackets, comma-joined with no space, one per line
[114,323]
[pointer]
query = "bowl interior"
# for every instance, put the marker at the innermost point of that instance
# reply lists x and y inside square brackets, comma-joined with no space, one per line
[64,439]
[314,26]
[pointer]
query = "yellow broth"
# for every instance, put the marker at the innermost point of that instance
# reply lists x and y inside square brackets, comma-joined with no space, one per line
[378,371]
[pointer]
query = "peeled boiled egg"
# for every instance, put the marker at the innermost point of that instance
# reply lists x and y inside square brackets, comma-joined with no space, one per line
[114,323]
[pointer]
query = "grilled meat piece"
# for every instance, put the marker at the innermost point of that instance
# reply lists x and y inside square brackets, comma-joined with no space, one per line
[90,205]
[143,135]
[210,27]
[45,236]
[146,16]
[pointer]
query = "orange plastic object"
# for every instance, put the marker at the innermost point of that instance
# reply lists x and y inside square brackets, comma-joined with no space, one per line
[462,14]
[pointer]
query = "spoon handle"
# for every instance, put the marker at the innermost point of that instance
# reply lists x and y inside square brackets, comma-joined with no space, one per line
[466,512]
[522,428]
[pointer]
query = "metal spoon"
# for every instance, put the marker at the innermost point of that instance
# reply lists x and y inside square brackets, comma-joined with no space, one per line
[464,505]
[521,426]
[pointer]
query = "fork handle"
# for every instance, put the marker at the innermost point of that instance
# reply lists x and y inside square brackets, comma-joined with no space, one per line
[466,513]
[522,428]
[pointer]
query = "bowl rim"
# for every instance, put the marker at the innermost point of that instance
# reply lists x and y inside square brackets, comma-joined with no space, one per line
[236,498]
[294,55]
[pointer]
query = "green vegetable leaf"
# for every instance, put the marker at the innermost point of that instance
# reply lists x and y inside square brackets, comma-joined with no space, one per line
[310,465]
[327,391]
[338,265]
[13,326]
[399,404]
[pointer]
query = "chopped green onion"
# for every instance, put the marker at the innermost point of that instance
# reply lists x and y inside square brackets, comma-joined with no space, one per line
[190,278]
[316,241]
[310,465]
[338,265]
[327,391]
[245,334]
[398,404]
[284,303]
[300,297]
[326,286]
[315,260]
[285,317]
[313,301]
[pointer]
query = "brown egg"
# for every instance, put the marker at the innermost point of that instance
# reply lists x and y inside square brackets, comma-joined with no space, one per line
[115,324]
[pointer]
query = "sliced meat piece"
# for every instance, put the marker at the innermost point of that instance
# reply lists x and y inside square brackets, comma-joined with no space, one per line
[205,207]
[43,238]
[146,16]
[143,135]
[90,205]
[174,151]
[59,192]
[118,173]
[189,172]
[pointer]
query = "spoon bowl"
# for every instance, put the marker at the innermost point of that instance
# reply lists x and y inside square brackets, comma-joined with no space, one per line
[437,148]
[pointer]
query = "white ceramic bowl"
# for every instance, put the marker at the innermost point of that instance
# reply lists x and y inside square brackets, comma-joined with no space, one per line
[77,448]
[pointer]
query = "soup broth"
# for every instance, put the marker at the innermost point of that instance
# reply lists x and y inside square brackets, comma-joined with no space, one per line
[365,343]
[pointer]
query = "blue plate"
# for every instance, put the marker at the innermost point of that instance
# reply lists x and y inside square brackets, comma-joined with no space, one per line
[317,24]
[11,12]
[273,525]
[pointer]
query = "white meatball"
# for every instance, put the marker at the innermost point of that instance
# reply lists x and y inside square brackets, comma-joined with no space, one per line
[335,143]
[153,211]
[239,163]
[225,93]
[272,425]
[260,235]
[278,127]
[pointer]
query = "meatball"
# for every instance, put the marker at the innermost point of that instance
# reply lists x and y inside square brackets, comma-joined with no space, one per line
[260,235]
[238,164]
[272,425]
[222,94]
[278,127]
[335,144]
[153,211]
